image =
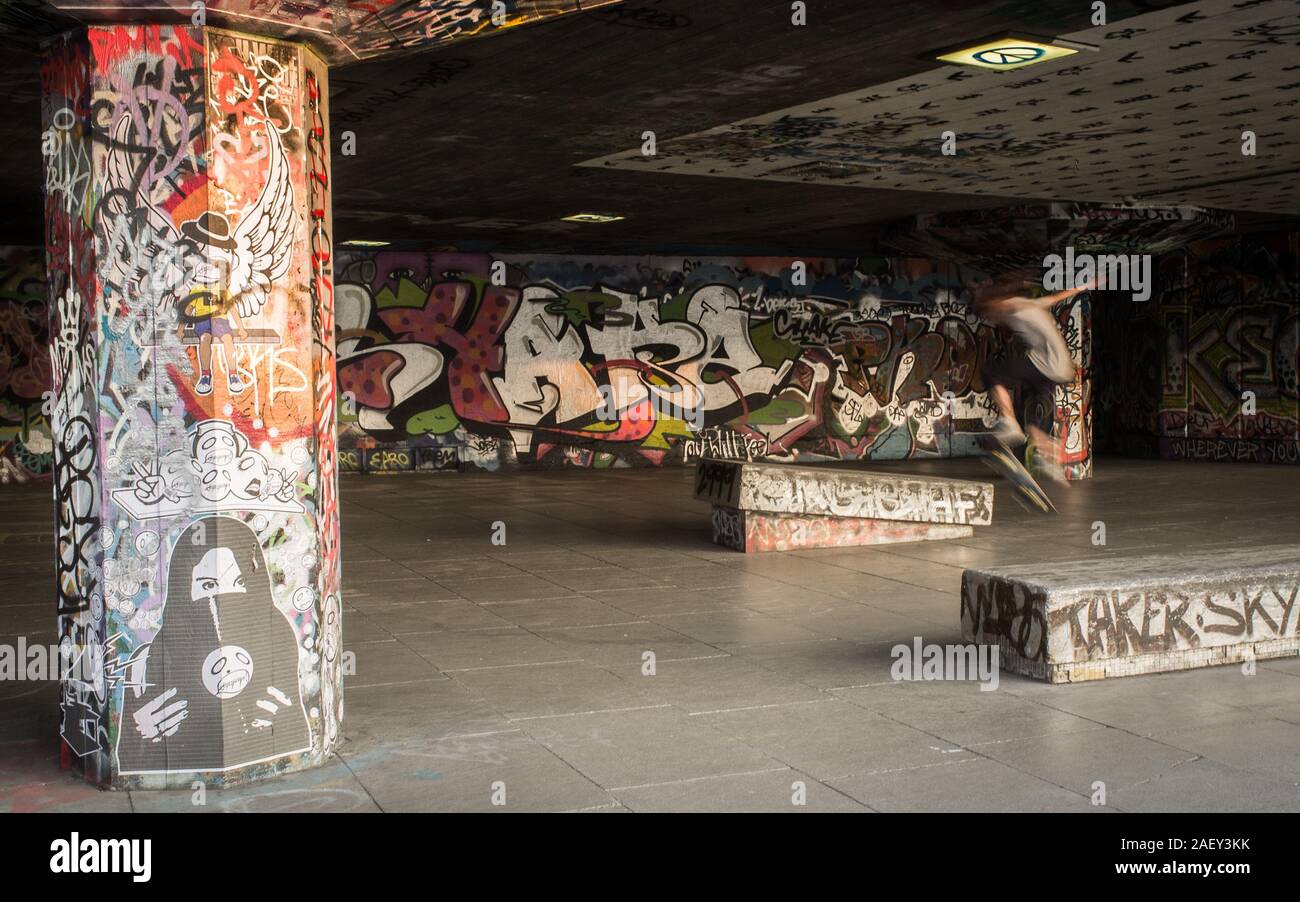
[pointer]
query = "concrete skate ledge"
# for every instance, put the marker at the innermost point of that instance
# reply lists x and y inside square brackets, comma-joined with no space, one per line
[752,531]
[831,492]
[1092,619]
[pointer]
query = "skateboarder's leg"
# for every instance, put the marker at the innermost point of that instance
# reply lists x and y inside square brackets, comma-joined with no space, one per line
[1000,376]
[1048,451]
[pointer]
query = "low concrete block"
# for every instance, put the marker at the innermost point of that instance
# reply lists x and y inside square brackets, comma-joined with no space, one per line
[827,492]
[752,531]
[1091,619]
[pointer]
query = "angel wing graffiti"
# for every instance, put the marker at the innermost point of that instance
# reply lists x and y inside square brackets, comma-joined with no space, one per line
[145,257]
[258,251]
[149,258]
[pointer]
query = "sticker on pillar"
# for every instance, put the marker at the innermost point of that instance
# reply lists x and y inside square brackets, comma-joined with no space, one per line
[84,691]
[218,687]
[217,471]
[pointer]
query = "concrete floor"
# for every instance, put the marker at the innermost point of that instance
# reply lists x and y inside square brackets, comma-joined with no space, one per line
[523,664]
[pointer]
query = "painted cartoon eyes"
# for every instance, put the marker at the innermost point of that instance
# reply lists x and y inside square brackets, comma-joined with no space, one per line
[227,671]
[219,665]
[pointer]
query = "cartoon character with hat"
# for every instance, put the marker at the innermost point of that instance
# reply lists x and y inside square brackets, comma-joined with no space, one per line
[211,309]
[238,266]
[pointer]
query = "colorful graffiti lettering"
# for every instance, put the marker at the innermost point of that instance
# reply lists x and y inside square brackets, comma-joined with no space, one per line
[648,361]
[1207,370]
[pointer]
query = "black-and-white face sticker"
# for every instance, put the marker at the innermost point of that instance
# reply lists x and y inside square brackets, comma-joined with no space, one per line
[218,573]
[227,670]
[250,477]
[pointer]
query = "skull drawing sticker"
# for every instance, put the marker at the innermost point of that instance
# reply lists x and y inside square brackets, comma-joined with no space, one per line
[216,471]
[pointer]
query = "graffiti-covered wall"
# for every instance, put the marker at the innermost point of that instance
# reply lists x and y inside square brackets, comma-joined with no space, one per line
[25,443]
[456,359]
[190,287]
[1206,370]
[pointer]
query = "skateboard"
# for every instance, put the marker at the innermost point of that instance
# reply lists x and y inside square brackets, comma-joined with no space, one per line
[999,458]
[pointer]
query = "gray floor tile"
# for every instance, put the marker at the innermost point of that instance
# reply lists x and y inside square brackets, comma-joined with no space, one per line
[962,714]
[507,588]
[1238,745]
[385,663]
[549,690]
[722,628]
[1204,785]
[438,616]
[506,772]
[712,684]
[1076,761]
[626,643]
[832,738]
[771,792]
[507,647]
[969,784]
[646,747]
[555,613]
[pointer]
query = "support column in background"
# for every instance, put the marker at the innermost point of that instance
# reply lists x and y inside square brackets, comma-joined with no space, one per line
[1067,415]
[189,263]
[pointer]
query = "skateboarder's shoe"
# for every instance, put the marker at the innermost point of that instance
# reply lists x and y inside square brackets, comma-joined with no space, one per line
[1044,461]
[236,384]
[1002,460]
[204,385]
[1048,468]
[1008,433]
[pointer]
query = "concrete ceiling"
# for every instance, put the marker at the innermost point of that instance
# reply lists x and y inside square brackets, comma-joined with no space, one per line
[1156,113]
[341,31]
[483,140]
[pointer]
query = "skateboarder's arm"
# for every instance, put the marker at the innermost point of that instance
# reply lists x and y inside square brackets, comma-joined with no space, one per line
[1051,300]
[997,306]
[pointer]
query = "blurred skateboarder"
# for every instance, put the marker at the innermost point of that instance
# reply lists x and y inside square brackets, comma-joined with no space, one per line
[1042,361]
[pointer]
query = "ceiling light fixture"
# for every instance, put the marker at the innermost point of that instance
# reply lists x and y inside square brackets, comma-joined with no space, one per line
[591,217]
[1012,52]
[360,243]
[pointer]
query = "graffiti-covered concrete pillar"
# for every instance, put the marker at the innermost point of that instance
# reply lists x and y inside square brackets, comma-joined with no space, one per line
[192,331]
